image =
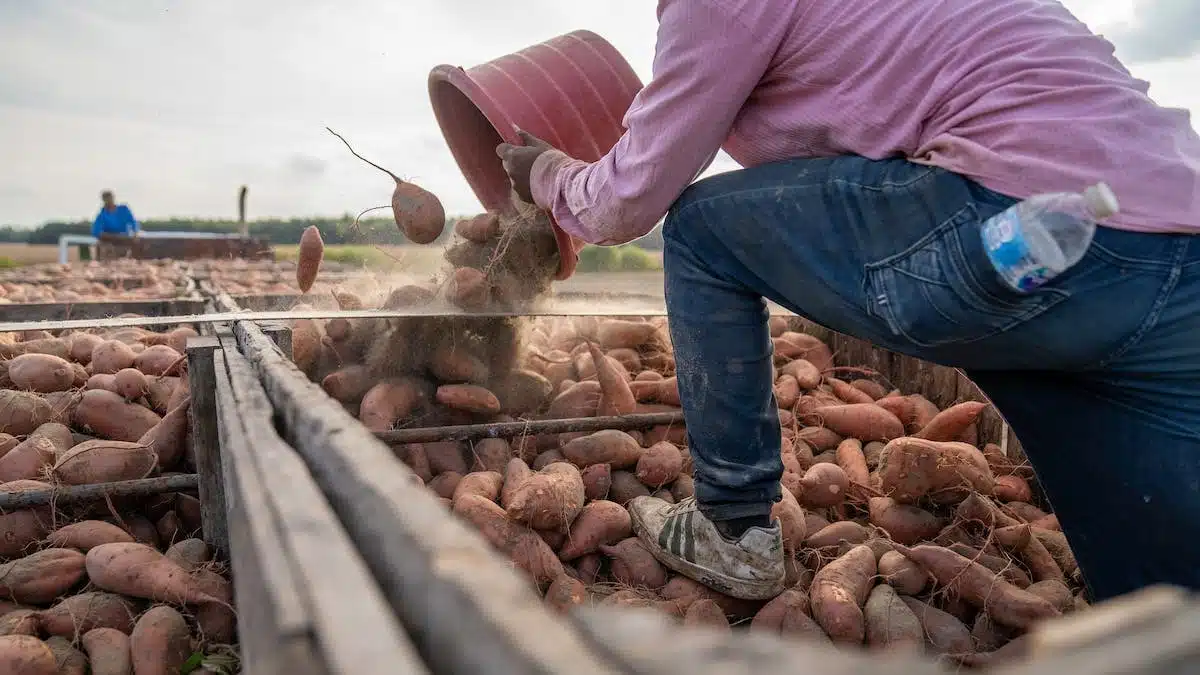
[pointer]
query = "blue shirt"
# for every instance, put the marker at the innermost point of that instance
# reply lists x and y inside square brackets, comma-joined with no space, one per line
[118,221]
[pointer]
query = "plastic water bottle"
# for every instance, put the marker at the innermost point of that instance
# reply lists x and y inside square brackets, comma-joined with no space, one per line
[1039,238]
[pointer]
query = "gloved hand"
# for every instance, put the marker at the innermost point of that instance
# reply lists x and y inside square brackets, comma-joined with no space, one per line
[518,161]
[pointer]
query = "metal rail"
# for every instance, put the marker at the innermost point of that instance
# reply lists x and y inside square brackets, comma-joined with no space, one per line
[74,494]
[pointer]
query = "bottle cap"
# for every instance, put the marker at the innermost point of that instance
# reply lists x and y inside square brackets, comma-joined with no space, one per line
[1101,201]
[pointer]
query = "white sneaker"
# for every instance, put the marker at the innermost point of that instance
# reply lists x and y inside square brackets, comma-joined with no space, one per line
[682,538]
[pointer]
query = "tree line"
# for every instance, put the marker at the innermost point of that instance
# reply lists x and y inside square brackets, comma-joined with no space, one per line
[278,231]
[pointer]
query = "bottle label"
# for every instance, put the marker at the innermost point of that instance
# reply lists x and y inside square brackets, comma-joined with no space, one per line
[1006,247]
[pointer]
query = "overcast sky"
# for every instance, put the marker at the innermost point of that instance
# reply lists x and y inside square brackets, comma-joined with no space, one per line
[175,104]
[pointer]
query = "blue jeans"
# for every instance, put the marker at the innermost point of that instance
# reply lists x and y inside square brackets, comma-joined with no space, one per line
[1098,372]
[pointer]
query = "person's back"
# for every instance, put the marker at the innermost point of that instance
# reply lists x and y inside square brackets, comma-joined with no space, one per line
[113,218]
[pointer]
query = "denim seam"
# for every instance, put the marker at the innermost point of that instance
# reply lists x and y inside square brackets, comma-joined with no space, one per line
[1138,263]
[1155,311]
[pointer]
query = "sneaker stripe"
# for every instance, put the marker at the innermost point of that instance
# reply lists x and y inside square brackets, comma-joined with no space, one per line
[677,531]
[689,538]
[664,535]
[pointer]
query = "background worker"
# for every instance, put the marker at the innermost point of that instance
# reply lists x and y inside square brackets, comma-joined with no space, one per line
[878,137]
[114,218]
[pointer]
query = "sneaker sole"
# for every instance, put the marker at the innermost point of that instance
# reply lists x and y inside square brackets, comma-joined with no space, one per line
[722,583]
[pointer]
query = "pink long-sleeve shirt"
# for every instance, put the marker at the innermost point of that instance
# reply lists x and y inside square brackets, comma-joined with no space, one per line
[1016,94]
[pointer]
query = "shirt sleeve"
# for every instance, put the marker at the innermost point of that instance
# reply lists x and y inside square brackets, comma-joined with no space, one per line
[133,223]
[96,227]
[709,57]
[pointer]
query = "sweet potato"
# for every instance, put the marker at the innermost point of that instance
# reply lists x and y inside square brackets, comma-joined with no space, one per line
[1056,544]
[823,485]
[308,257]
[1013,489]
[549,499]
[75,615]
[19,621]
[112,417]
[490,454]
[156,360]
[659,465]
[912,468]
[390,401]
[26,655]
[140,571]
[847,393]
[616,448]
[836,533]
[786,391]
[108,651]
[349,384]
[86,535]
[944,633]
[599,523]
[618,334]
[902,574]
[168,439]
[104,462]
[902,407]
[28,460]
[111,356]
[41,372]
[516,472]
[41,576]
[7,442]
[633,565]
[597,479]
[625,487]
[1004,602]
[819,438]
[793,345]
[864,421]
[951,423]
[708,614]
[215,621]
[469,289]
[581,399]
[683,487]
[889,622]
[22,412]
[468,397]
[522,391]
[483,483]
[566,592]
[615,396]
[1002,566]
[80,346]
[791,519]
[189,554]
[981,509]
[445,483]
[852,460]
[21,528]
[839,592]
[788,614]
[904,523]
[160,642]
[1055,592]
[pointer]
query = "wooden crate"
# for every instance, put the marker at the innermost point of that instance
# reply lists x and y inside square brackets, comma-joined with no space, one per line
[64,311]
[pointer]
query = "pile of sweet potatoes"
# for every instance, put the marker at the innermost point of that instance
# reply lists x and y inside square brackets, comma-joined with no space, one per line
[124,279]
[120,585]
[900,531]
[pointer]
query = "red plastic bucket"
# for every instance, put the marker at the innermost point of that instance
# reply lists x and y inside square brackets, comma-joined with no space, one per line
[572,91]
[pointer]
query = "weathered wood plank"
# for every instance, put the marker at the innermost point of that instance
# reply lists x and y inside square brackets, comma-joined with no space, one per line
[466,608]
[652,645]
[62,495]
[206,445]
[353,626]
[64,311]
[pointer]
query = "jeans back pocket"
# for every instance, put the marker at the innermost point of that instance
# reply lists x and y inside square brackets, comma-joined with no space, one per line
[943,289]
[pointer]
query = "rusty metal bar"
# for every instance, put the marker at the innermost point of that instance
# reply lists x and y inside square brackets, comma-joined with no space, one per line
[474,432]
[74,494]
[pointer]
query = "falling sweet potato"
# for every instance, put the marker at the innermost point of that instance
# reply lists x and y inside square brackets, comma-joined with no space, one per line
[615,395]
[468,397]
[1004,602]
[112,417]
[309,257]
[600,523]
[86,535]
[619,334]
[108,651]
[390,401]
[41,576]
[912,468]
[26,655]
[41,373]
[839,591]
[864,421]
[616,448]
[635,566]
[160,642]
[105,462]
[549,499]
[75,615]
[139,571]
[469,289]
[889,622]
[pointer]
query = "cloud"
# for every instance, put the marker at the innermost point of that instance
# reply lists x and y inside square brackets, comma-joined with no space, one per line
[306,166]
[1160,30]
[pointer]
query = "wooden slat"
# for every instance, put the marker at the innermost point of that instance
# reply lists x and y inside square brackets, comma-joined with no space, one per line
[274,621]
[351,623]
[202,418]
[650,644]
[466,608]
[64,311]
